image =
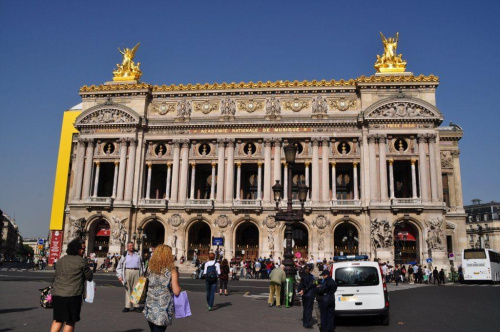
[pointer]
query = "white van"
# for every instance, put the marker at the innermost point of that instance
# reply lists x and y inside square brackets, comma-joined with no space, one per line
[361,289]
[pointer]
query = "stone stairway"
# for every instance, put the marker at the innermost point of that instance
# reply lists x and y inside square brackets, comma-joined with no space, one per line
[187,267]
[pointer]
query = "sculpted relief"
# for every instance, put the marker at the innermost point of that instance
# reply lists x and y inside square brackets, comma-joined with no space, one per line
[107,116]
[381,233]
[119,233]
[435,235]
[401,110]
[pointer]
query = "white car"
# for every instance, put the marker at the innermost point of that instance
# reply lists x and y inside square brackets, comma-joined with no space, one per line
[361,291]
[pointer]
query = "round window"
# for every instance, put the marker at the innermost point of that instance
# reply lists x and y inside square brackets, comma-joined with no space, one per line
[160,150]
[204,149]
[109,148]
[343,147]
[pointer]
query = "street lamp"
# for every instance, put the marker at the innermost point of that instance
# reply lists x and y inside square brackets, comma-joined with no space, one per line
[289,217]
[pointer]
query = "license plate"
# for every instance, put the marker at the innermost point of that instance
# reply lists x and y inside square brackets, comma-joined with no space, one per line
[476,272]
[348,298]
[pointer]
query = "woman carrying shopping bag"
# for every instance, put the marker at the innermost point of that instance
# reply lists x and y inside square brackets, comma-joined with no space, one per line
[163,285]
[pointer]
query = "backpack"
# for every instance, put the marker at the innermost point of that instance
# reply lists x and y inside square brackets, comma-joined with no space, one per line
[211,273]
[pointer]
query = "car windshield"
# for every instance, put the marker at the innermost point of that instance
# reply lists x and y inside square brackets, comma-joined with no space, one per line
[357,276]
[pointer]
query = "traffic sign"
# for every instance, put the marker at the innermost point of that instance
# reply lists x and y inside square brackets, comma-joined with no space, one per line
[429,260]
[41,241]
[217,241]
[40,247]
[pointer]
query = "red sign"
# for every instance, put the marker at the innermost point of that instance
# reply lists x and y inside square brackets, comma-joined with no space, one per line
[55,246]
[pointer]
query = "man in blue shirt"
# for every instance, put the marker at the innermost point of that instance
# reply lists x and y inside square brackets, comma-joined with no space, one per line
[128,271]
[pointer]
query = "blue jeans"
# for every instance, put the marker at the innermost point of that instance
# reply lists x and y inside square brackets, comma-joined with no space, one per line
[211,286]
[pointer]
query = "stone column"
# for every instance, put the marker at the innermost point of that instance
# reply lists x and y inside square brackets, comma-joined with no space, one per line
[115,179]
[315,171]
[212,184]
[458,179]
[277,160]
[169,177]
[88,169]
[391,178]
[175,172]
[220,171]
[184,171]
[230,171]
[285,181]
[355,175]
[424,177]
[413,180]
[130,170]
[148,182]
[267,170]
[373,168]
[96,178]
[334,181]
[325,182]
[238,181]
[80,160]
[121,170]
[306,164]
[193,179]
[259,180]
[433,168]
[383,168]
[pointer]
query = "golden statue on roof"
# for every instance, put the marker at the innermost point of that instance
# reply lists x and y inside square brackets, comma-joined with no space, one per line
[390,61]
[128,70]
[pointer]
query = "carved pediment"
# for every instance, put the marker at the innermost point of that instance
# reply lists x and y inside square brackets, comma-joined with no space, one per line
[402,108]
[108,113]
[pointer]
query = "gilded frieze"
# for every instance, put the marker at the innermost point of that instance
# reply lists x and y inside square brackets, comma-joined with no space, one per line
[295,104]
[251,105]
[342,104]
[163,108]
[206,106]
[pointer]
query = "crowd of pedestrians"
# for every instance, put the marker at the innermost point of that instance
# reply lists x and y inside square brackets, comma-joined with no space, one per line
[412,274]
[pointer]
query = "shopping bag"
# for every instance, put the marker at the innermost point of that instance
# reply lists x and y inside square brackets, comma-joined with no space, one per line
[46,297]
[139,292]
[89,291]
[181,304]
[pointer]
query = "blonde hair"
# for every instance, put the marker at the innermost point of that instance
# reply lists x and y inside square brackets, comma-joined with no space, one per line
[162,260]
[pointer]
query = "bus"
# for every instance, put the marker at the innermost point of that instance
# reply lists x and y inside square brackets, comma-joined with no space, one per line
[481,265]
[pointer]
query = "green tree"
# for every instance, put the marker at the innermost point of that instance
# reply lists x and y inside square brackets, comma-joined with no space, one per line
[27,250]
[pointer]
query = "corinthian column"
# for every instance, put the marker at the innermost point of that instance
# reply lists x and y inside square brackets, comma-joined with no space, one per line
[383,169]
[238,181]
[355,175]
[193,179]
[373,168]
[169,177]
[315,171]
[212,183]
[433,168]
[88,169]
[130,170]
[184,171]
[277,159]
[220,171]
[267,170]
[324,171]
[96,178]
[80,158]
[306,164]
[391,178]
[115,179]
[230,170]
[121,170]
[413,179]
[259,180]
[285,181]
[148,182]
[175,171]
[334,181]
[424,177]
[458,179]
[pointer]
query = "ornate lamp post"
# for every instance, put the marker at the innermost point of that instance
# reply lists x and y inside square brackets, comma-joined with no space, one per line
[289,217]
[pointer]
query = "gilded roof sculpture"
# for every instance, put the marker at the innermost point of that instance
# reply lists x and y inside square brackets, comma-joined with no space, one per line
[390,61]
[128,70]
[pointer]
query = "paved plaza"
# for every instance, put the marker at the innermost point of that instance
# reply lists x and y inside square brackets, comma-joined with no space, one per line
[413,308]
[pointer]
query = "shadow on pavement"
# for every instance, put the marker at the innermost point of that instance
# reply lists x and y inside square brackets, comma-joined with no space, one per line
[357,321]
[6,311]
[222,305]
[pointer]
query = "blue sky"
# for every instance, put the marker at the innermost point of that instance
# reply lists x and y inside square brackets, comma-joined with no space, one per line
[51,48]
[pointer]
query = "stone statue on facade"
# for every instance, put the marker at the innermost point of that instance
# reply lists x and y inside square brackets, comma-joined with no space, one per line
[270,240]
[228,107]
[319,105]
[435,235]
[321,241]
[273,108]
[381,233]
[128,70]
[119,233]
[184,109]
[76,227]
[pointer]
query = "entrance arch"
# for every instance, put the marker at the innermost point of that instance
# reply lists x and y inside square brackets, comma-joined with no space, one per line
[154,232]
[99,237]
[406,243]
[345,240]
[300,238]
[199,239]
[247,240]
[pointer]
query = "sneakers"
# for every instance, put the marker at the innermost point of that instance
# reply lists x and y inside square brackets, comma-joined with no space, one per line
[125,310]
[209,308]
[270,305]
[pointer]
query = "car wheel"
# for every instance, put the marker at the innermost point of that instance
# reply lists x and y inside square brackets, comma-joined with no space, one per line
[385,320]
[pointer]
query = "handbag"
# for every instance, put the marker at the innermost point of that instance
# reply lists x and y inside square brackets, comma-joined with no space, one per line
[89,292]
[181,305]
[46,297]
[139,291]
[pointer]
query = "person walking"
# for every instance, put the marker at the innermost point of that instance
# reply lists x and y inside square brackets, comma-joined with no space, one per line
[307,289]
[128,272]
[435,275]
[211,272]
[397,275]
[441,277]
[411,275]
[277,277]
[327,305]
[67,288]
[224,276]
[159,306]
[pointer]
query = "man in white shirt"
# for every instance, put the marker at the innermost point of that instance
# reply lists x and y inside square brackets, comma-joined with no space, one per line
[211,272]
[128,271]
